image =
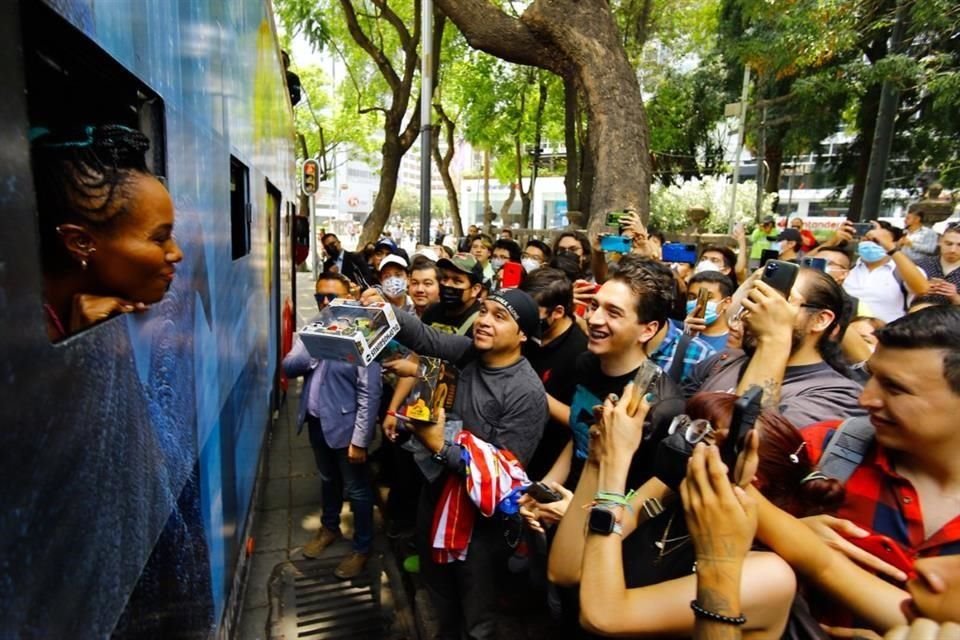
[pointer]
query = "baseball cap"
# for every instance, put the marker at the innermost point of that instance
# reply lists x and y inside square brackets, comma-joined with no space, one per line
[393,259]
[768,220]
[464,263]
[386,243]
[521,307]
[789,234]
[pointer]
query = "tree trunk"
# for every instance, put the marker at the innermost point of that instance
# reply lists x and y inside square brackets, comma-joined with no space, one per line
[389,170]
[587,172]
[571,179]
[443,164]
[487,209]
[774,167]
[861,148]
[506,204]
[579,39]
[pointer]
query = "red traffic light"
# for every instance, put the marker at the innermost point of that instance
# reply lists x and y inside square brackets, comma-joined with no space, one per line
[309,181]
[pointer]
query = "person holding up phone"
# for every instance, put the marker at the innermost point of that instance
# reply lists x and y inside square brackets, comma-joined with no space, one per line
[710,325]
[789,349]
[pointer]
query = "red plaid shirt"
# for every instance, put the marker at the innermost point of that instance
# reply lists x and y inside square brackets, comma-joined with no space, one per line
[882,501]
[879,499]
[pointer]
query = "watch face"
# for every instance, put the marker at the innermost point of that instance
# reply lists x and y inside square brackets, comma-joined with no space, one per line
[601,520]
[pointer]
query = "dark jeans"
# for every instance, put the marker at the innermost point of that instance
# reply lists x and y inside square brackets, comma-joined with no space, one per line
[464,594]
[338,474]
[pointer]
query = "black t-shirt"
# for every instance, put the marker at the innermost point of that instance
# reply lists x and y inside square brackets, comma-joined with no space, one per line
[592,387]
[554,363]
[436,316]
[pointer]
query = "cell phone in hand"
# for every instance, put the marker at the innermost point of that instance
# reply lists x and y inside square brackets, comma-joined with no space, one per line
[510,275]
[679,252]
[543,494]
[820,264]
[703,297]
[861,229]
[780,275]
[767,255]
[746,410]
[887,550]
[615,244]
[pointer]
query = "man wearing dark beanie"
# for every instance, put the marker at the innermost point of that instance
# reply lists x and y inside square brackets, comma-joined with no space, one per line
[501,400]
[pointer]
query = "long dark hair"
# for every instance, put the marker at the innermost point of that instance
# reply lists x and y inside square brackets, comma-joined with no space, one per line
[82,177]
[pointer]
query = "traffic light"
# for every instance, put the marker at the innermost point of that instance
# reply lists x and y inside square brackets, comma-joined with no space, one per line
[310,178]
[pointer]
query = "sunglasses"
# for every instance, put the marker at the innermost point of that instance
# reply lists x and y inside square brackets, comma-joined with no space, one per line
[693,431]
[324,298]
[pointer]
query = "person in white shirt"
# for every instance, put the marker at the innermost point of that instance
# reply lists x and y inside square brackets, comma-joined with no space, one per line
[883,276]
[918,242]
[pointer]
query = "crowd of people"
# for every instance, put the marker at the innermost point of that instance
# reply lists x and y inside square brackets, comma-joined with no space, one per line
[655,448]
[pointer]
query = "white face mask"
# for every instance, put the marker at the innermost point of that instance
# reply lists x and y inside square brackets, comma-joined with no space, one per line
[775,246]
[394,286]
[497,263]
[530,265]
[705,265]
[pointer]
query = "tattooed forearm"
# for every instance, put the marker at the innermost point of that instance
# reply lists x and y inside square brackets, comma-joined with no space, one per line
[771,393]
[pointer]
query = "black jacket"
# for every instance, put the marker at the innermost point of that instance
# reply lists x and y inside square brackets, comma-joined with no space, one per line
[355,268]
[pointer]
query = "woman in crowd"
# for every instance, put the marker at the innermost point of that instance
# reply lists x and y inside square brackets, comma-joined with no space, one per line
[481,248]
[106,225]
[642,583]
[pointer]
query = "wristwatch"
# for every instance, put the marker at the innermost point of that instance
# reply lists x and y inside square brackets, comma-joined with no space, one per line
[604,520]
[441,456]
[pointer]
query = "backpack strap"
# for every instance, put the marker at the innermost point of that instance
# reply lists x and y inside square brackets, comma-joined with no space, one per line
[679,355]
[462,330]
[846,448]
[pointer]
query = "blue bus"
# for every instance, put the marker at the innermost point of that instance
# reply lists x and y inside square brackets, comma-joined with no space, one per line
[131,445]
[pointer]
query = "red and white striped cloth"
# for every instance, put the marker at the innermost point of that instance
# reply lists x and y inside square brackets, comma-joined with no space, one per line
[492,475]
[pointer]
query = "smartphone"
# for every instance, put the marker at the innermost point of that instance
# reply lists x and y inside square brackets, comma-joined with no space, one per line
[746,410]
[703,297]
[860,229]
[615,244]
[543,494]
[615,219]
[510,275]
[646,379]
[887,550]
[820,264]
[780,275]
[767,255]
[679,252]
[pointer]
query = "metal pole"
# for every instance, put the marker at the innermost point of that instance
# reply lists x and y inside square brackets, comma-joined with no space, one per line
[313,236]
[740,134]
[883,132]
[426,109]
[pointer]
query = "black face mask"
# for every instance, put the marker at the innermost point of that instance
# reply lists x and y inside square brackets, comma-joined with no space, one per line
[451,296]
[671,462]
[333,251]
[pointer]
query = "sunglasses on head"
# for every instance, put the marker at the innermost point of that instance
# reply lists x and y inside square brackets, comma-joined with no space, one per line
[693,431]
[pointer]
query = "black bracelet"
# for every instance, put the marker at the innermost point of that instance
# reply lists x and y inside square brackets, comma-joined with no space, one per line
[893,251]
[702,613]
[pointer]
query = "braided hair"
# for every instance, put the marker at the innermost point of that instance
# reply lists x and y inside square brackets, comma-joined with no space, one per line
[83,177]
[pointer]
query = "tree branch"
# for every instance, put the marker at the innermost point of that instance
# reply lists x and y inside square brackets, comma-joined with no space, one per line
[489,29]
[361,38]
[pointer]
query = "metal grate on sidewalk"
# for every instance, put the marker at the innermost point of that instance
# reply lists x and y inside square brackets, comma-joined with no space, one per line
[307,602]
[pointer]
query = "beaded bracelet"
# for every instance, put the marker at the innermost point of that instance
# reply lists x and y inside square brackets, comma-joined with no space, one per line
[702,613]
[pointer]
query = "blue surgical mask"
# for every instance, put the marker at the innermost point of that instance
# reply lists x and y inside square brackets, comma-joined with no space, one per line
[497,263]
[775,246]
[394,286]
[710,315]
[870,251]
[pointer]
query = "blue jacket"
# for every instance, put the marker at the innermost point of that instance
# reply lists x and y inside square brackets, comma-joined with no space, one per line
[344,397]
